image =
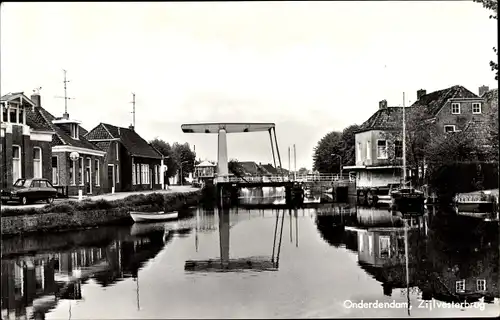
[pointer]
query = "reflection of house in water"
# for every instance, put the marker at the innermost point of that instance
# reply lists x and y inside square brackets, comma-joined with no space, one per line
[463,262]
[381,253]
[32,286]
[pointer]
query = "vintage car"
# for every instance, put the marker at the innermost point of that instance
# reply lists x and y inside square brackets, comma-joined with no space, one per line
[29,190]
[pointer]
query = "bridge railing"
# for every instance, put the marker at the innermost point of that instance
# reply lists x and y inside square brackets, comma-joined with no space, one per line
[286,178]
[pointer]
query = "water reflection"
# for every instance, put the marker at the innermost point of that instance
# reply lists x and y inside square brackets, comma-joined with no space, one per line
[210,261]
[452,259]
[224,262]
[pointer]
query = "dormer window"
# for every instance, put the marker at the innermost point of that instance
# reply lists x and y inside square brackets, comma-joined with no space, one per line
[74,130]
[476,108]
[455,108]
[13,113]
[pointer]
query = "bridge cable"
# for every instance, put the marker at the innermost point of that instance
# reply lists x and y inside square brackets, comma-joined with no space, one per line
[272,146]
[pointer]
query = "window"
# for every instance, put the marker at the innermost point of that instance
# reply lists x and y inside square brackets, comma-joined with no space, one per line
[460,286]
[476,108]
[455,108]
[80,171]
[358,151]
[449,128]
[398,149]
[481,285]
[370,244]
[72,172]
[88,173]
[117,173]
[74,130]
[133,174]
[16,163]
[155,175]
[55,171]
[360,241]
[381,149]
[37,162]
[117,150]
[97,170]
[4,113]
[384,246]
[368,150]
[14,114]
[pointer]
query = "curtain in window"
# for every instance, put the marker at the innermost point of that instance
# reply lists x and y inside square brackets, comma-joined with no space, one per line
[37,162]
[16,163]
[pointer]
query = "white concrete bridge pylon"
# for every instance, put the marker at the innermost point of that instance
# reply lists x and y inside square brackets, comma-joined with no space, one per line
[222,129]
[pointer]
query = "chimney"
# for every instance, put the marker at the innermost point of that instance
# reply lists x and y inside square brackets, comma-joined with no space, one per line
[37,100]
[66,116]
[421,93]
[483,89]
[131,127]
[382,104]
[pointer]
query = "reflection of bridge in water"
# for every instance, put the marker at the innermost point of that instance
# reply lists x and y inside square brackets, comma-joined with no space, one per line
[226,264]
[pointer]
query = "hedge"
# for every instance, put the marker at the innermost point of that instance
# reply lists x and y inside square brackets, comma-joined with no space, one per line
[140,202]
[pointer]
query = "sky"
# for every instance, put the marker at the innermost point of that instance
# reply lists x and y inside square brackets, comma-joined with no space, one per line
[309,67]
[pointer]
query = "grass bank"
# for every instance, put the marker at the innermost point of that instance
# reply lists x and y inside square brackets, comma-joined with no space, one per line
[72,215]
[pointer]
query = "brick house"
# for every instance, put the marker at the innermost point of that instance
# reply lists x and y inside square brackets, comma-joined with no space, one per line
[131,162]
[379,140]
[84,171]
[25,150]
[452,109]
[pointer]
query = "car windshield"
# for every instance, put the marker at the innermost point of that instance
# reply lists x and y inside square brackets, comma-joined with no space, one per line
[20,183]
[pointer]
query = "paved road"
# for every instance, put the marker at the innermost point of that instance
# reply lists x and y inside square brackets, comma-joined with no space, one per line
[109,196]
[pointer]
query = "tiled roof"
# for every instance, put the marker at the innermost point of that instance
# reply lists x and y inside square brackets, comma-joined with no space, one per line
[269,169]
[250,168]
[100,132]
[434,101]
[132,141]
[63,136]
[36,121]
[389,118]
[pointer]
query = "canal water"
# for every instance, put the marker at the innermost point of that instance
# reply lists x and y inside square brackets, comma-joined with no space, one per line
[327,260]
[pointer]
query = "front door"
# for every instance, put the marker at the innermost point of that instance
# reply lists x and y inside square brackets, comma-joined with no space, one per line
[111,179]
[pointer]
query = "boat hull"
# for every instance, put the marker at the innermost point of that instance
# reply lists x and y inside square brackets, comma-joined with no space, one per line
[153,216]
[411,202]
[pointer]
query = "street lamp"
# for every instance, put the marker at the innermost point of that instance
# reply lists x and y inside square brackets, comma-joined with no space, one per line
[340,163]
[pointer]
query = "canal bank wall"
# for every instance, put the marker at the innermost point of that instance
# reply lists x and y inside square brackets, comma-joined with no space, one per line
[74,215]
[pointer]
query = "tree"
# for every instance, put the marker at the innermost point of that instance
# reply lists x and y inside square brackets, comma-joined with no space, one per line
[452,163]
[348,150]
[302,171]
[166,150]
[492,5]
[323,160]
[184,157]
[176,156]
[235,167]
[326,156]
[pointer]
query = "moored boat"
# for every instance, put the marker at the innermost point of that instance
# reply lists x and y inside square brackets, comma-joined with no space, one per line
[408,200]
[138,216]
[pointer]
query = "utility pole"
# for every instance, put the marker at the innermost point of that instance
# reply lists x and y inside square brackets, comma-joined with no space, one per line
[66,98]
[289,166]
[133,110]
[294,162]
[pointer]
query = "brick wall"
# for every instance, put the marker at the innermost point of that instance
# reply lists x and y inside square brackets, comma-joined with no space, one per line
[46,158]
[445,117]
[64,165]
[142,186]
